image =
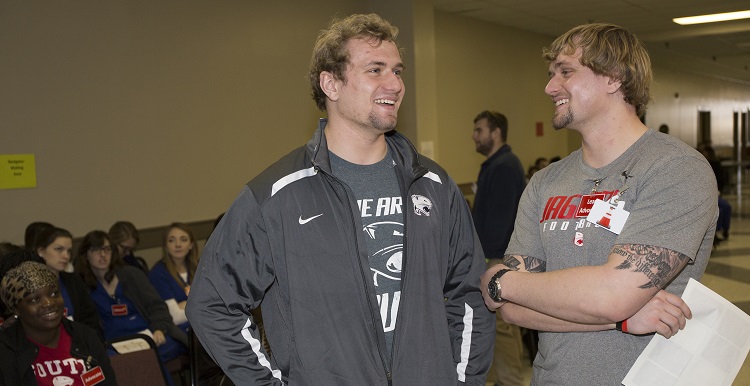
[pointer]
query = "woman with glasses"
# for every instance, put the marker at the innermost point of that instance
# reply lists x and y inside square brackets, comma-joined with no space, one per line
[126,301]
[43,347]
[124,236]
[55,245]
[172,275]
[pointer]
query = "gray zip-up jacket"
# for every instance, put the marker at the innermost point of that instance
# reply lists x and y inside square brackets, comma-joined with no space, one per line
[293,240]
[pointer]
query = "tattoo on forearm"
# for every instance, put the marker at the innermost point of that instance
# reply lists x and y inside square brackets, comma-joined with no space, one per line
[531,264]
[657,263]
[512,262]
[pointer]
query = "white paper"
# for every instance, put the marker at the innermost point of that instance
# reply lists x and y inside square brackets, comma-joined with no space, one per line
[709,351]
[135,344]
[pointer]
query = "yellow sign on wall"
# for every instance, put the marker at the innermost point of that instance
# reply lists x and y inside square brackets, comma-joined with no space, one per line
[17,171]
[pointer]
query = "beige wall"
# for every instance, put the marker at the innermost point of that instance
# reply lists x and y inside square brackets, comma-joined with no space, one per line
[482,66]
[157,112]
[677,98]
[150,111]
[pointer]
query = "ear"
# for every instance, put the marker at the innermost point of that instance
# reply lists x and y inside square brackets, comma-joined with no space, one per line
[496,135]
[613,85]
[329,85]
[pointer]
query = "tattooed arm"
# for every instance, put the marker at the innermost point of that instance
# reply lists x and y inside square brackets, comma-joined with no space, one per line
[627,286]
[664,314]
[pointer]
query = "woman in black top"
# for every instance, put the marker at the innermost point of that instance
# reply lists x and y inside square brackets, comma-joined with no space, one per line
[43,347]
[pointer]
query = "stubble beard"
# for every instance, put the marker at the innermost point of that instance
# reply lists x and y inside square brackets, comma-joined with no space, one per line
[383,124]
[562,121]
[482,148]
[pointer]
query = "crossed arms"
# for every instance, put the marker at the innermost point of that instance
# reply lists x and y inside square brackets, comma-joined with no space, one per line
[593,298]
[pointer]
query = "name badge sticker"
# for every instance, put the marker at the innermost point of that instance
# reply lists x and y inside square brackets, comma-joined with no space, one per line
[587,202]
[119,309]
[92,377]
[609,216]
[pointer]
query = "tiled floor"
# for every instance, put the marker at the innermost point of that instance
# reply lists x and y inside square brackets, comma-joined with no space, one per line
[728,274]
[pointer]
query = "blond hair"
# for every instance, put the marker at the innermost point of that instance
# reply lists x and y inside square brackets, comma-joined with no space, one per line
[611,51]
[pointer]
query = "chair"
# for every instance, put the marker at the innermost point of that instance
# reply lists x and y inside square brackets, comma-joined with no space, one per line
[136,361]
[183,367]
[193,353]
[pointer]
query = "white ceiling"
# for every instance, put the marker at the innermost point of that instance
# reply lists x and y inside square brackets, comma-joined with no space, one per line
[719,50]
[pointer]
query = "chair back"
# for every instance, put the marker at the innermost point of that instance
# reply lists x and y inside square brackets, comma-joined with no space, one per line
[136,361]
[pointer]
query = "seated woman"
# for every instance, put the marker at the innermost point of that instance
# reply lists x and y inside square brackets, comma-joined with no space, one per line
[124,236]
[54,245]
[9,259]
[171,276]
[32,232]
[43,347]
[126,301]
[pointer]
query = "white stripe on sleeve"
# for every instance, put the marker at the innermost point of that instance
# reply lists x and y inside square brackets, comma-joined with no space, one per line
[465,343]
[288,179]
[255,345]
[433,177]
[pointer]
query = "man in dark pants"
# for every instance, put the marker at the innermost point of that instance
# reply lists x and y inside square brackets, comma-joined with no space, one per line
[499,186]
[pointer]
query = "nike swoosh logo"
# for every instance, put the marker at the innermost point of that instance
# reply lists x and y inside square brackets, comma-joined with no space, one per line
[307,220]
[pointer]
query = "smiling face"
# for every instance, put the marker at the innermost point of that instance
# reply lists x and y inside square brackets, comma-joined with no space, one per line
[57,254]
[371,95]
[42,310]
[578,93]
[178,244]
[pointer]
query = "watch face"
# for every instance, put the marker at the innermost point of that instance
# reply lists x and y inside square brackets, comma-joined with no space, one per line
[492,290]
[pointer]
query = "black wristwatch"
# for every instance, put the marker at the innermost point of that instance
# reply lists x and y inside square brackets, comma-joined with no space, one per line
[493,287]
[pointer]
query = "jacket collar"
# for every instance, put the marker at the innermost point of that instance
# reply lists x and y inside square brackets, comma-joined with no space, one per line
[402,151]
[502,150]
[15,339]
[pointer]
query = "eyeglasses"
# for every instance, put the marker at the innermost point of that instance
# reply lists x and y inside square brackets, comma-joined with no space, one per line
[106,249]
[125,250]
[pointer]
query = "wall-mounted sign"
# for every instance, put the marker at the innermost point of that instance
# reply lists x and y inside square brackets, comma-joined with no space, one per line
[17,171]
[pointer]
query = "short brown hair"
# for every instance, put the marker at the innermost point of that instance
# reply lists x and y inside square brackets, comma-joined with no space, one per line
[611,51]
[495,120]
[330,52]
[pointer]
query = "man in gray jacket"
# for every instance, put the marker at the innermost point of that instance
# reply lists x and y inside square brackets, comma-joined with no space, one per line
[362,251]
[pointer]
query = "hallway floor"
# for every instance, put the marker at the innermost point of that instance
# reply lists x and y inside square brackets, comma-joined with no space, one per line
[728,274]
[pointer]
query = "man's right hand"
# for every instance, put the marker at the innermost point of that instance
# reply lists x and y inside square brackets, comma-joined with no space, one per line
[665,314]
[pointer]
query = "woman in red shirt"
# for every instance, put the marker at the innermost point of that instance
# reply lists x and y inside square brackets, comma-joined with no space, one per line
[43,347]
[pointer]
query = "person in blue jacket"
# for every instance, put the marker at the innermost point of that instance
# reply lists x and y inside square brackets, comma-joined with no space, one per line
[171,276]
[127,303]
[55,245]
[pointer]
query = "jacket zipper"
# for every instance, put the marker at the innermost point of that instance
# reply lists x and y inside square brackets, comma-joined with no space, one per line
[404,203]
[373,320]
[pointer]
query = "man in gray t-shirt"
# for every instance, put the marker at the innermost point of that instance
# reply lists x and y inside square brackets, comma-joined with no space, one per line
[613,232]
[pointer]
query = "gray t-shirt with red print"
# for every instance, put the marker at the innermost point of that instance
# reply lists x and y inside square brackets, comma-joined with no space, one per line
[670,192]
